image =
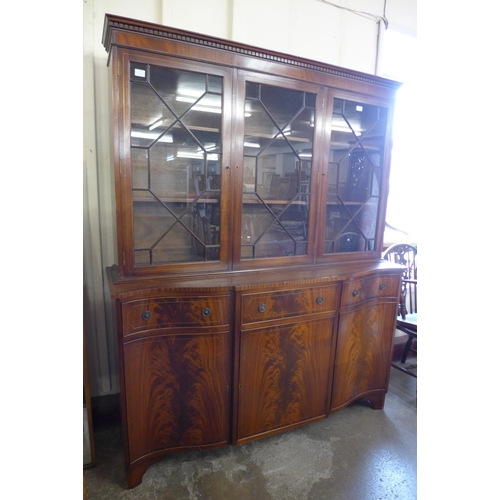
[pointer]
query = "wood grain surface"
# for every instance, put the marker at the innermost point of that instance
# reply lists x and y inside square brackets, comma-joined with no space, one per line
[177,392]
[364,348]
[283,375]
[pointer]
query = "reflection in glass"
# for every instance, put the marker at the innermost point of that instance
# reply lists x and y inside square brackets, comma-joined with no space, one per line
[278,149]
[176,121]
[354,176]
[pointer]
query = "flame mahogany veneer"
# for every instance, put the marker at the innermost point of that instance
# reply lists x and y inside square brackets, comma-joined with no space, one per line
[231,350]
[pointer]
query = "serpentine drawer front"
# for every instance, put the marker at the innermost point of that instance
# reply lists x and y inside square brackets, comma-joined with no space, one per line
[140,315]
[356,291]
[285,304]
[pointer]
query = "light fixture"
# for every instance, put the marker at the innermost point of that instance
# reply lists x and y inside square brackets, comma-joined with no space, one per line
[157,123]
[147,135]
[197,156]
[187,154]
[251,144]
[345,129]
[216,108]
[340,125]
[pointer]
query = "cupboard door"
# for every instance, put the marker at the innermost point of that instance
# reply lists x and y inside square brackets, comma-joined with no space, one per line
[175,146]
[363,354]
[279,147]
[283,378]
[355,176]
[176,392]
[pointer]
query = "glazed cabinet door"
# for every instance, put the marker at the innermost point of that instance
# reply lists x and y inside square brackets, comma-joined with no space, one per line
[354,192]
[365,340]
[283,377]
[276,184]
[174,145]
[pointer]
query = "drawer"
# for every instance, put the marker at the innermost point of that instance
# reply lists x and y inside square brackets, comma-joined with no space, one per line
[288,303]
[168,312]
[375,287]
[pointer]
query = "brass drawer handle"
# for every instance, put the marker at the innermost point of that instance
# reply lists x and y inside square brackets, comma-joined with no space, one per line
[382,286]
[319,300]
[355,293]
[262,307]
[206,311]
[146,315]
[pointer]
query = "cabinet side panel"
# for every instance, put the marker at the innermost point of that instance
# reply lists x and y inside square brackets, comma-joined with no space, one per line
[176,392]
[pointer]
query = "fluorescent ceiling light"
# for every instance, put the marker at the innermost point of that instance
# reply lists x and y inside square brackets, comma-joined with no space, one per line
[152,136]
[216,108]
[339,125]
[345,129]
[181,98]
[180,154]
[157,123]
[205,109]
[197,156]
[251,145]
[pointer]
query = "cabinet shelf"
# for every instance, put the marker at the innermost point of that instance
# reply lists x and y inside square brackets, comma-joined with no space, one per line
[175,200]
[351,203]
[270,201]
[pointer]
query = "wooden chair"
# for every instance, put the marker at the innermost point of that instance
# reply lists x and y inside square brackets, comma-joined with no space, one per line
[406,255]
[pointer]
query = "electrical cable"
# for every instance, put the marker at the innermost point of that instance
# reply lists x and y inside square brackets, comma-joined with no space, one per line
[367,15]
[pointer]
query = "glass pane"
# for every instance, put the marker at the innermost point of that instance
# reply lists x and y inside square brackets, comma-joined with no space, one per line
[176,121]
[278,149]
[354,175]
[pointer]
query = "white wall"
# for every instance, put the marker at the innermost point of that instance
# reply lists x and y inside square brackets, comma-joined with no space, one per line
[313,29]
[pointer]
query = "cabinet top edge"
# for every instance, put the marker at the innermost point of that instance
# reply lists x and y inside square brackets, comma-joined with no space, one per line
[225,283]
[114,22]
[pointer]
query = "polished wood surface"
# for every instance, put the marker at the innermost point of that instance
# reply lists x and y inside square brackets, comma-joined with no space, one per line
[177,312]
[357,291]
[226,337]
[177,392]
[364,351]
[287,303]
[283,376]
[365,337]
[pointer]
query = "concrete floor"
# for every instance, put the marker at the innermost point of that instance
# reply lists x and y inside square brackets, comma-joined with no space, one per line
[355,454]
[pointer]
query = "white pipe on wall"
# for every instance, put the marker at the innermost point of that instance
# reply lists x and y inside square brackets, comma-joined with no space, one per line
[382,26]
